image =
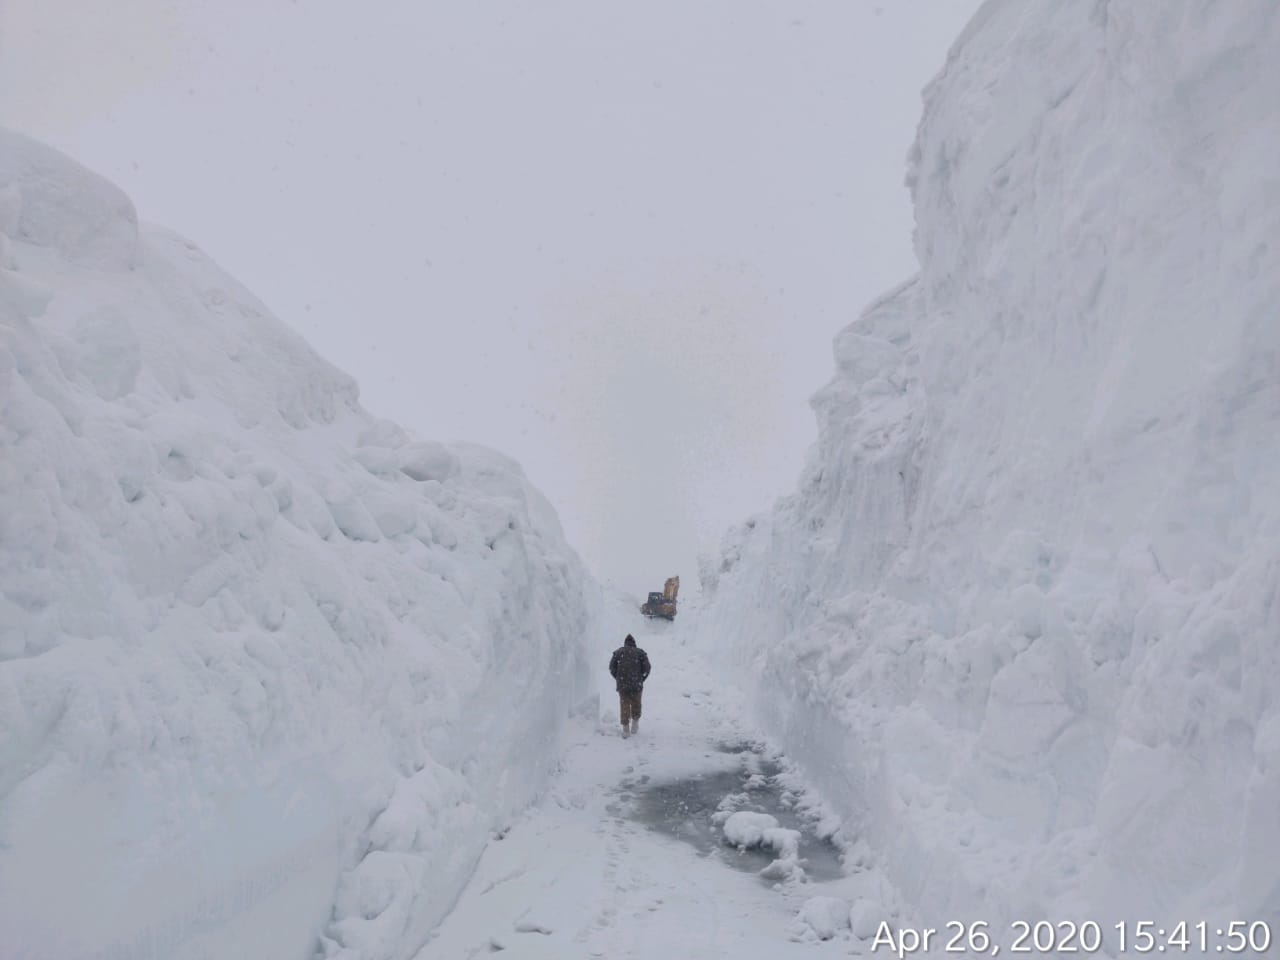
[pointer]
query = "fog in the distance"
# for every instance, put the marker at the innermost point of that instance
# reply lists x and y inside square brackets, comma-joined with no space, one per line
[613,241]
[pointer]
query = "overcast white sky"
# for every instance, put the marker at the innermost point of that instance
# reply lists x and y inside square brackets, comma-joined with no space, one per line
[613,240]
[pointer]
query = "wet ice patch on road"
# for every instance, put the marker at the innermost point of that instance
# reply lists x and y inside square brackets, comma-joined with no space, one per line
[707,809]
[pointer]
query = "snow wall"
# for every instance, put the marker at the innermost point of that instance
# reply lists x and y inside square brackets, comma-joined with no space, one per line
[1021,621]
[271,670]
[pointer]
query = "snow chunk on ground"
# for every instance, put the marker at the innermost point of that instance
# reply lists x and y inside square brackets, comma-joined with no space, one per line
[746,829]
[865,916]
[821,918]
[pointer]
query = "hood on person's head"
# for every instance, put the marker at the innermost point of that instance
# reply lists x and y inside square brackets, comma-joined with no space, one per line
[630,641]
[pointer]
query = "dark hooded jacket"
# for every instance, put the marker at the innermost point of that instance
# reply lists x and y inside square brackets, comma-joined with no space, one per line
[629,665]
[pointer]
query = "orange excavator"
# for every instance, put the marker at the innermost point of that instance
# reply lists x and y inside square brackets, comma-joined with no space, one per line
[663,604]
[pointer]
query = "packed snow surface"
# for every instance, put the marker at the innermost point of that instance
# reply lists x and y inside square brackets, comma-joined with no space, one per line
[1020,621]
[270,669]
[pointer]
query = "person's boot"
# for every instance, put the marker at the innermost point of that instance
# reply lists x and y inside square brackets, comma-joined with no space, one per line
[635,725]
[625,734]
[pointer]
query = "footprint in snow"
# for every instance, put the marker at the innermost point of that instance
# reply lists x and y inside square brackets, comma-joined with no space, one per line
[529,926]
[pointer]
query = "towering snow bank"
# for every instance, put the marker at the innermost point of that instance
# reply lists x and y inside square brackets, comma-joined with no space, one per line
[269,668]
[1022,617]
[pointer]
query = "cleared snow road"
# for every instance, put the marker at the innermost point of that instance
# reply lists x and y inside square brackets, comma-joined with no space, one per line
[621,859]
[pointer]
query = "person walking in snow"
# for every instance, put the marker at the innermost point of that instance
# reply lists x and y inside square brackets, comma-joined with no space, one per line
[629,665]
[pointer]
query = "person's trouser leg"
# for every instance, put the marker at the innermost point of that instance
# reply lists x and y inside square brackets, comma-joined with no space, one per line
[629,710]
[624,710]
